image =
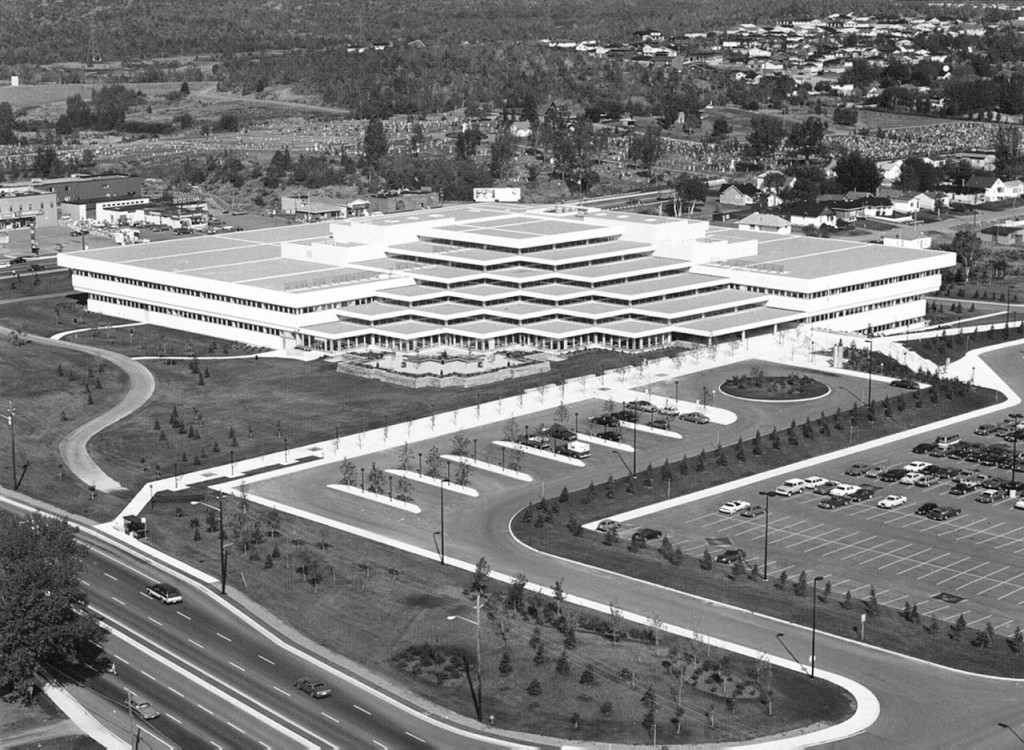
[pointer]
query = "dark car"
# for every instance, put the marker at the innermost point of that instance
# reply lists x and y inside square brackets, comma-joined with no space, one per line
[752,512]
[625,415]
[35,267]
[912,385]
[605,420]
[730,556]
[863,493]
[560,432]
[923,448]
[857,470]
[696,417]
[961,489]
[164,592]
[891,475]
[944,514]
[141,708]
[312,687]
[925,508]
[660,424]
[16,261]
[641,406]
[611,436]
[646,535]
[835,501]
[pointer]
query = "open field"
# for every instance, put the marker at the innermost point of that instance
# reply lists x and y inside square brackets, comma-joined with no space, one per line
[46,94]
[371,603]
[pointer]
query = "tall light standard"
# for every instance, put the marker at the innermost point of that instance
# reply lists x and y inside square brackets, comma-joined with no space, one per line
[1007,727]
[677,392]
[443,483]
[220,533]
[814,620]
[764,574]
[478,697]
[871,356]
[1016,416]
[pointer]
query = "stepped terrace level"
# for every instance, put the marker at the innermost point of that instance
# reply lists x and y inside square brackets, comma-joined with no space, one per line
[491,277]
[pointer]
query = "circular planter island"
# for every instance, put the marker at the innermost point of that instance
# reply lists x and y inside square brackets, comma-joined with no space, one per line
[759,386]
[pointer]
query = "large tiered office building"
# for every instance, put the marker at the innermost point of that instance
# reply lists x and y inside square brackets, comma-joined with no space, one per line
[488,277]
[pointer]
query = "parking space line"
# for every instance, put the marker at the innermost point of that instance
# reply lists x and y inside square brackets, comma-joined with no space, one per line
[985,577]
[931,612]
[1007,544]
[963,573]
[922,562]
[943,567]
[895,560]
[854,554]
[972,623]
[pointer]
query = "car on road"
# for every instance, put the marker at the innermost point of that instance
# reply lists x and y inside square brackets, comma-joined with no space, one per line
[925,508]
[753,511]
[730,556]
[857,470]
[923,448]
[834,501]
[141,708]
[35,267]
[164,592]
[927,480]
[911,477]
[843,490]
[696,417]
[790,487]
[892,501]
[312,687]
[912,385]
[733,506]
[989,496]
[944,514]
[608,525]
[605,420]
[646,535]
[611,436]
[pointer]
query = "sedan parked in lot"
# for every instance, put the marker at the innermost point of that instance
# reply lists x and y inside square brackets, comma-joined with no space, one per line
[660,424]
[944,514]
[875,471]
[927,480]
[917,466]
[891,475]
[825,488]
[696,417]
[925,508]
[753,512]
[730,556]
[989,496]
[733,506]
[608,525]
[646,535]
[892,501]
[1019,505]
[922,448]
[611,436]
[605,420]
[857,470]
[863,493]
[911,477]
[834,501]
[813,483]
[843,490]
[961,489]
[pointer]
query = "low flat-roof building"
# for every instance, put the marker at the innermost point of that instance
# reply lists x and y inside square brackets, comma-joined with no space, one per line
[486,277]
[26,206]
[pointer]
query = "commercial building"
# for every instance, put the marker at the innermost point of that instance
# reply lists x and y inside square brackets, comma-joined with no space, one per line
[25,206]
[488,277]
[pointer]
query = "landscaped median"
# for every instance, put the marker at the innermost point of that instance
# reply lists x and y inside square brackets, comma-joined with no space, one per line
[555,526]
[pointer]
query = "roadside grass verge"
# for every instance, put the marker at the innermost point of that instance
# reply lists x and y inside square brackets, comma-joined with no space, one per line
[388,611]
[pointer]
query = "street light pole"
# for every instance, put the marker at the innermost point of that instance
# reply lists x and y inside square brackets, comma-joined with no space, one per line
[1016,416]
[1007,727]
[443,482]
[814,620]
[871,356]
[220,535]
[764,575]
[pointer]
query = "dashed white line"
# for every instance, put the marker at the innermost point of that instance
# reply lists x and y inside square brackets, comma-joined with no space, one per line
[282,692]
[147,674]
[200,705]
[176,692]
[216,745]
[360,708]
[235,727]
[221,635]
[86,583]
[264,744]
[121,659]
[418,739]
[196,644]
[330,717]
[155,621]
[119,601]
[265,659]
[173,718]
[241,669]
[110,576]
[182,614]
[380,744]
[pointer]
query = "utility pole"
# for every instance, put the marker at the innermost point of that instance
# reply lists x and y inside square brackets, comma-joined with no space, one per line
[10,423]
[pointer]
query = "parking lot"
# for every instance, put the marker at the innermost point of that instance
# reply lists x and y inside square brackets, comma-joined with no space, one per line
[968,564]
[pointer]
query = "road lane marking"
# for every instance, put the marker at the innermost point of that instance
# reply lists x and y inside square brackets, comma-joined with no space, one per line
[205,708]
[86,583]
[121,659]
[282,692]
[173,718]
[182,614]
[242,669]
[216,745]
[155,621]
[235,727]
[196,644]
[419,739]
[119,601]
[176,692]
[109,576]
[330,717]
[148,675]
[224,637]
[265,658]
[380,744]
[360,708]
[265,744]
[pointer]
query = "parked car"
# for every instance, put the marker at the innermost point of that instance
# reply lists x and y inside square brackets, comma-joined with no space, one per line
[605,420]
[560,432]
[892,501]
[891,475]
[856,470]
[641,406]
[989,496]
[660,424]
[1019,505]
[985,429]
[834,501]
[875,471]
[164,592]
[927,480]
[813,483]
[825,488]
[992,484]
[911,477]
[790,487]
[312,687]
[608,525]
[944,514]
[753,512]
[611,436]
[961,489]
[646,535]
[730,556]
[917,466]
[925,508]
[922,448]
[625,415]
[696,417]
[912,385]
[843,490]
[863,493]
[733,506]
[668,410]
[141,708]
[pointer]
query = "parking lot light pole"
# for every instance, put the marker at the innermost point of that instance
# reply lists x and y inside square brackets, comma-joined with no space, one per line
[764,574]
[220,533]
[443,482]
[1016,416]
[1008,728]
[814,620]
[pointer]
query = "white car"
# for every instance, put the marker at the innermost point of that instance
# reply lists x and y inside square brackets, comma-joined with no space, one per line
[912,477]
[892,501]
[791,487]
[843,490]
[813,483]
[734,506]
[1019,505]
[917,466]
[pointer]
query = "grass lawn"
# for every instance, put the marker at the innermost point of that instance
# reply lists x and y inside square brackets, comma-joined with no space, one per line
[549,528]
[388,611]
[956,345]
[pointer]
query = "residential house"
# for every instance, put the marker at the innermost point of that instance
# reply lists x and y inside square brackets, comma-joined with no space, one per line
[759,222]
[991,187]
[907,238]
[810,214]
[739,194]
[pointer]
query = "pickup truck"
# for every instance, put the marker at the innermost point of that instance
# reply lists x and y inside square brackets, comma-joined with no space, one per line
[576,449]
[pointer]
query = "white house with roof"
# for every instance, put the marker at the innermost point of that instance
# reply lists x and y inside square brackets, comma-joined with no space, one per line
[759,222]
[486,277]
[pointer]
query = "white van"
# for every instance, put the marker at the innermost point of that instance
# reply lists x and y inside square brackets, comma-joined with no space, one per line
[945,442]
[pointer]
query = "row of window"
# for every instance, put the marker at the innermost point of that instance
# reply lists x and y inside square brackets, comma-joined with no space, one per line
[183,314]
[837,290]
